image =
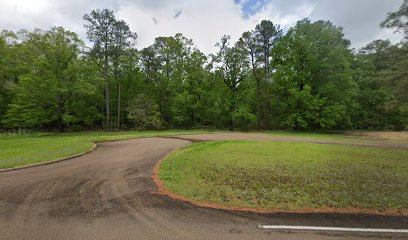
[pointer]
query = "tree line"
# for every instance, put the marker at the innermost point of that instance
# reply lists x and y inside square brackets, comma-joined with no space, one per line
[308,77]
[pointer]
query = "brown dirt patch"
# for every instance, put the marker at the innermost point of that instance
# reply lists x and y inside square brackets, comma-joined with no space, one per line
[396,136]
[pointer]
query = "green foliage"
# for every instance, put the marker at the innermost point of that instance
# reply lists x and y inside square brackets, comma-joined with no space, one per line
[232,68]
[144,113]
[112,41]
[398,20]
[9,69]
[266,35]
[3,92]
[56,75]
[244,117]
[306,78]
[381,73]
[307,107]
[313,78]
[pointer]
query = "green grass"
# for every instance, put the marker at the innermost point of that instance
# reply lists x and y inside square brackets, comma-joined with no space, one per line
[25,149]
[289,176]
[328,136]
[384,137]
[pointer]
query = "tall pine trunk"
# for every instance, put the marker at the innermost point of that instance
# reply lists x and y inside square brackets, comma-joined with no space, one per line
[268,103]
[119,97]
[268,98]
[59,120]
[258,96]
[107,94]
[258,89]
[232,109]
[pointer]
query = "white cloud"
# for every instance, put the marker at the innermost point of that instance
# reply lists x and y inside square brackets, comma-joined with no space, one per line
[205,21]
[360,19]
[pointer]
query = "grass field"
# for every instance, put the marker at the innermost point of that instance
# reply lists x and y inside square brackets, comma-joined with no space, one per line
[347,136]
[289,176]
[25,149]
[29,148]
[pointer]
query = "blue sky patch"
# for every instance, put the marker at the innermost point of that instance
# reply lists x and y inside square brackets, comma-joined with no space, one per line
[251,7]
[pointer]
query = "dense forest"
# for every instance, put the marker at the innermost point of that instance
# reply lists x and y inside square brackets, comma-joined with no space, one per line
[307,77]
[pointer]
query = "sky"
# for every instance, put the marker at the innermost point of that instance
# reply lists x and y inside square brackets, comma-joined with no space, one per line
[204,21]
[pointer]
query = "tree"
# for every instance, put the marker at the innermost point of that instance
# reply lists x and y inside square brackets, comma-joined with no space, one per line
[15,60]
[4,98]
[100,31]
[384,84]
[398,19]
[267,34]
[56,75]
[397,75]
[195,87]
[50,80]
[144,113]
[233,68]
[395,79]
[174,68]
[249,42]
[132,82]
[123,40]
[315,58]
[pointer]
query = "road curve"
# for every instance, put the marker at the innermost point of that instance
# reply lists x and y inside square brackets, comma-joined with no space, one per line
[108,194]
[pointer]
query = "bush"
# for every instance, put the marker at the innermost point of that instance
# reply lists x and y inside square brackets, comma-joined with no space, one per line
[144,113]
[243,117]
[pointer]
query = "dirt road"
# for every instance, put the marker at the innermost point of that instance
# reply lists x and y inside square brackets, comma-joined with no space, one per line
[109,194]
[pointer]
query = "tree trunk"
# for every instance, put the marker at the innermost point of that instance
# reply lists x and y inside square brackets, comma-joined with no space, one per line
[232,108]
[107,94]
[267,105]
[268,98]
[60,123]
[119,96]
[192,117]
[258,90]
[258,96]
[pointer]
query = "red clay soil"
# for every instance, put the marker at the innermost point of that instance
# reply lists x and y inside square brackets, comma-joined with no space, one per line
[162,190]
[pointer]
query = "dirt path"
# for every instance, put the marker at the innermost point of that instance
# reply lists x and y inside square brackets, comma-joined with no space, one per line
[109,194]
[371,142]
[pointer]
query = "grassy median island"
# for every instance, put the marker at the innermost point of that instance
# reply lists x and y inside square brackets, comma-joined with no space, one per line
[24,149]
[289,176]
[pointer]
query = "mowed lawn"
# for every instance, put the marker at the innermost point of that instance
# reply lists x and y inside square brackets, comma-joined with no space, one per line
[289,176]
[25,149]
